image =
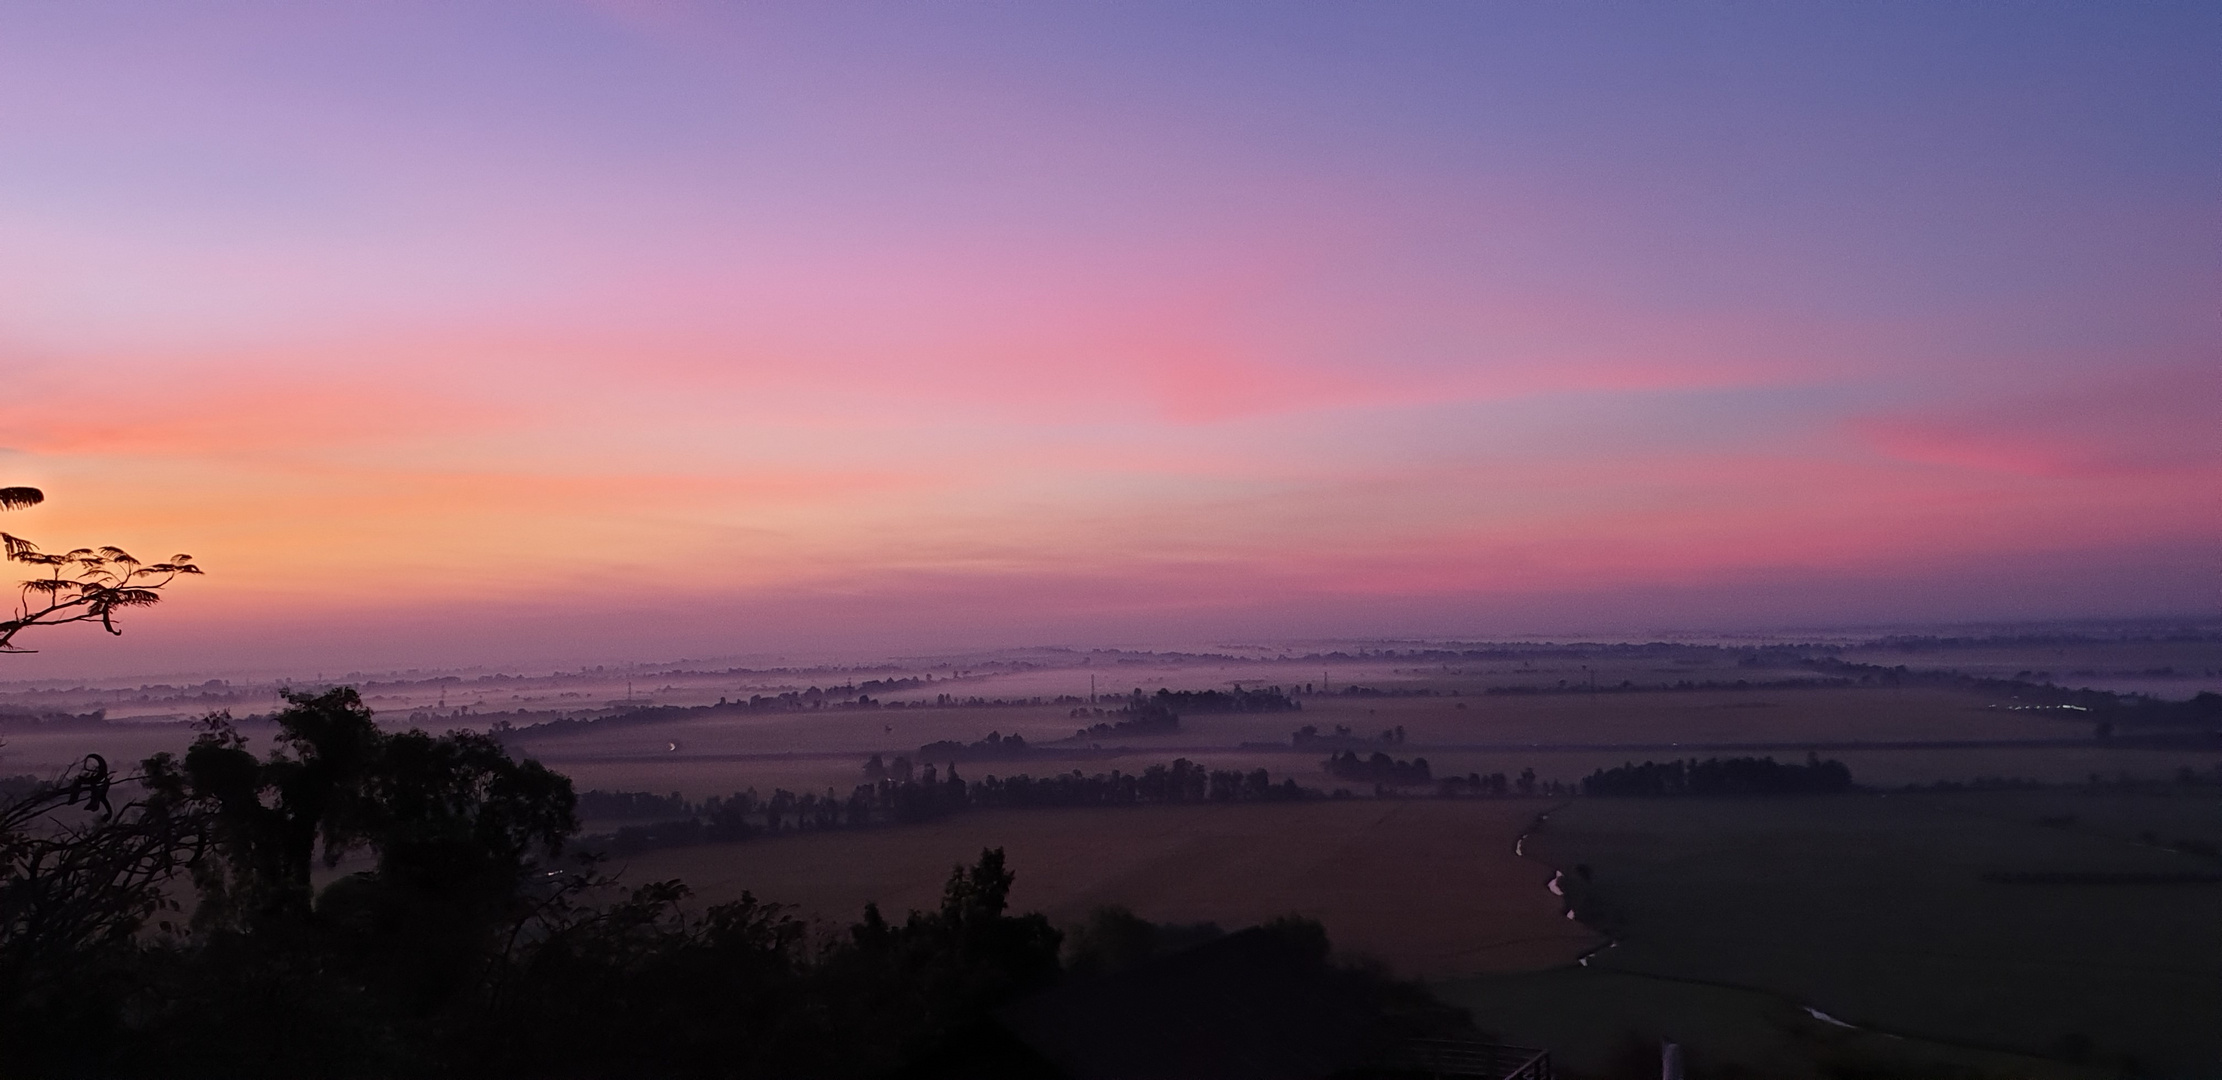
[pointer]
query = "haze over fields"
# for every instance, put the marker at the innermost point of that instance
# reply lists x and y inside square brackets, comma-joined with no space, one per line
[450,335]
[870,539]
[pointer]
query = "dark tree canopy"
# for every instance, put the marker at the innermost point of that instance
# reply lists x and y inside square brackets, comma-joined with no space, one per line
[439,813]
[472,942]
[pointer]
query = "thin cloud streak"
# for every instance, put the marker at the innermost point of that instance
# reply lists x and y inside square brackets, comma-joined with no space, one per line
[1054,322]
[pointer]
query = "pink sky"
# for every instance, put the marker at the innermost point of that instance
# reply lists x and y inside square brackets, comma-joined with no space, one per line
[498,333]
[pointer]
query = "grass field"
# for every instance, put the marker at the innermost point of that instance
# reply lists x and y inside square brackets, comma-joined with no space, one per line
[1430,886]
[1875,910]
[1600,1022]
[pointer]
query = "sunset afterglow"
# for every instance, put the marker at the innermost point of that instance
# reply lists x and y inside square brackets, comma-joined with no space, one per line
[645,329]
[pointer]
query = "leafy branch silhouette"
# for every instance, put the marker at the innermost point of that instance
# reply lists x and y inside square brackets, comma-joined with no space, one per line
[81,585]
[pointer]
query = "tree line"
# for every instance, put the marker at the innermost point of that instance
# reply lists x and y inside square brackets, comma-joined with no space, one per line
[1160,713]
[996,746]
[2106,706]
[1378,768]
[903,795]
[1139,716]
[1309,736]
[1718,776]
[1261,699]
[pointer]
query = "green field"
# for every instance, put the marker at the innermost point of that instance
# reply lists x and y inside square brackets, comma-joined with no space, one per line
[1875,909]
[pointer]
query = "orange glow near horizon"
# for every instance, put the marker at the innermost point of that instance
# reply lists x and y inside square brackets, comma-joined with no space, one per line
[711,327]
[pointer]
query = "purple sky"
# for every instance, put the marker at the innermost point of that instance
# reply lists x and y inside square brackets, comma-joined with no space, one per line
[450,333]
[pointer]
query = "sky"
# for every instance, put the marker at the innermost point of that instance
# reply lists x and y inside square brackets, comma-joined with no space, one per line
[463,333]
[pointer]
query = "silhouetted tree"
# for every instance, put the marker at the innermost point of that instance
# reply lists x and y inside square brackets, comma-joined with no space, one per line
[453,823]
[83,875]
[81,585]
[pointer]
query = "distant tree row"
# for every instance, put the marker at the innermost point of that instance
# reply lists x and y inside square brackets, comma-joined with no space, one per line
[721,819]
[1389,692]
[935,793]
[902,795]
[1182,781]
[2102,705]
[1718,776]
[50,719]
[1139,716]
[1497,784]
[1309,737]
[995,747]
[1160,713]
[952,701]
[1379,768]
[1262,699]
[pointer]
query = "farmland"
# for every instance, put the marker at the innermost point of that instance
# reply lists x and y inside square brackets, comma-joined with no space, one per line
[1561,736]
[1729,917]
[1430,886]
[1602,1022]
[1898,913]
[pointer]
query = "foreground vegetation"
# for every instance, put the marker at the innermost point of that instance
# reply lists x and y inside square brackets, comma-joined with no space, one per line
[473,945]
